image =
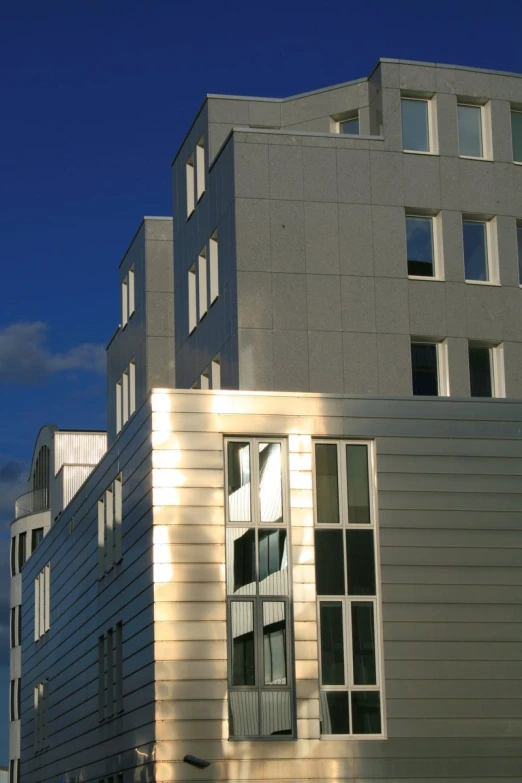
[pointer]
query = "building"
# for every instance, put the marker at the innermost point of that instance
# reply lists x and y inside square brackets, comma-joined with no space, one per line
[299,557]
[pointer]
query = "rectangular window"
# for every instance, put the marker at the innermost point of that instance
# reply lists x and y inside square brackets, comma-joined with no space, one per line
[350,124]
[101,678]
[202,283]
[37,608]
[429,368]
[118,407]
[215,373]
[189,175]
[125,397]
[110,521]
[13,556]
[118,668]
[118,518]
[200,167]
[204,382]
[109,528]
[347,582]
[132,388]
[14,699]
[124,302]
[516,134]
[192,299]
[13,627]
[486,370]
[36,537]
[470,125]
[415,124]
[260,676]
[420,246]
[41,719]
[22,550]
[42,602]
[519,251]
[131,305]
[477,249]
[110,672]
[213,267]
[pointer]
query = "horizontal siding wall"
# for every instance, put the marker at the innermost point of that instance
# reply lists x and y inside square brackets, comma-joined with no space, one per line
[450,510]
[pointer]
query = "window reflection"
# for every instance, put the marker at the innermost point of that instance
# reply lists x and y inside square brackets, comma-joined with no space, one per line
[366,713]
[243,657]
[332,643]
[363,635]
[419,246]
[326,483]
[274,642]
[270,480]
[335,717]
[273,562]
[415,135]
[329,562]
[358,485]
[276,715]
[241,560]
[360,560]
[238,456]
[243,713]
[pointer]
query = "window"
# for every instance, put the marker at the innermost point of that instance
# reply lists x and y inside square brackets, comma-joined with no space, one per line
[202,283]
[429,368]
[16,626]
[415,115]
[214,269]
[41,712]
[350,124]
[110,518]
[13,556]
[126,396]
[36,537]
[478,246]
[127,297]
[486,370]
[347,582]
[519,251]
[423,246]
[192,299]
[470,124]
[22,550]
[516,134]
[110,673]
[260,674]
[42,602]
[14,771]
[204,382]
[118,407]
[132,388]
[14,699]
[215,373]
[200,167]
[189,174]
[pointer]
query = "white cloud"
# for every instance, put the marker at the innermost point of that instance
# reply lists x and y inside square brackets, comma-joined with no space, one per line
[25,356]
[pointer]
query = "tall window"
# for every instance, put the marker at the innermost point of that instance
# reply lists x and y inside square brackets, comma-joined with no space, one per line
[519,251]
[16,626]
[192,299]
[42,602]
[110,518]
[22,550]
[14,699]
[415,115]
[41,719]
[110,673]
[470,124]
[127,297]
[476,241]
[202,283]
[260,675]
[516,134]
[189,177]
[200,167]
[486,370]
[429,367]
[347,581]
[213,267]
[126,396]
[420,246]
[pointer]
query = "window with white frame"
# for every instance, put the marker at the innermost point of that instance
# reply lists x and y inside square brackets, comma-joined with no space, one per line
[126,396]
[189,178]
[127,297]
[423,245]
[110,520]
[429,369]
[519,250]
[258,578]
[42,602]
[516,133]
[480,253]
[110,673]
[471,129]
[417,124]
[41,716]
[347,583]
[349,123]
[200,167]
[486,369]
[203,282]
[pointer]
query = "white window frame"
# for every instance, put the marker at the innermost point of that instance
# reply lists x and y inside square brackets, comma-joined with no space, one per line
[346,117]
[200,168]
[190,175]
[436,240]
[485,128]
[346,600]
[492,260]
[496,368]
[433,139]
[442,362]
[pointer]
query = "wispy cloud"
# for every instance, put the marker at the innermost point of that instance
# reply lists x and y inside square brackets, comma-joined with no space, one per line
[13,483]
[25,356]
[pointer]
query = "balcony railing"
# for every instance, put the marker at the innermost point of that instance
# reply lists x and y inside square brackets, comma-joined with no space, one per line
[32,503]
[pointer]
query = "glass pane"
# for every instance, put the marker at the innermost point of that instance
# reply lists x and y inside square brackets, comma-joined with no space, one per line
[419,245]
[270,480]
[424,368]
[22,556]
[350,126]
[363,640]
[274,643]
[360,562]
[276,713]
[516,132]
[470,130]
[273,562]
[519,246]
[480,371]
[241,560]
[243,713]
[358,485]
[326,483]
[415,125]
[366,712]
[243,659]
[238,465]
[475,250]
[335,718]
[332,643]
[329,562]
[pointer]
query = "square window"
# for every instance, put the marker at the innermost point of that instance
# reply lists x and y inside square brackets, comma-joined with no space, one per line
[420,246]
[350,124]
[415,125]
[470,130]
[516,134]
[476,257]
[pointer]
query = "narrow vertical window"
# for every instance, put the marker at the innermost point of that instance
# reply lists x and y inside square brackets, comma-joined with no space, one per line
[215,373]
[125,397]
[420,246]
[202,283]
[47,602]
[214,267]
[470,130]
[131,306]
[13,556]
[13,627]
[132,388]
[480,371]
[22,550]
[19,625]
[37,608]
[124,302]
[109,528]
[101,678]
[204,380]
[516,134]
[476,257]
[110,673]
[415,125]
[118,407]
[118,518]
[189,175]
[424,368]
[119,668]
[36,538]
[36,718]
[519,251]
[43,598]
[192,299]
[101,537]
[200,167]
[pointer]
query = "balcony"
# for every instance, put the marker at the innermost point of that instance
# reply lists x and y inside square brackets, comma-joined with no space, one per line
[32,503]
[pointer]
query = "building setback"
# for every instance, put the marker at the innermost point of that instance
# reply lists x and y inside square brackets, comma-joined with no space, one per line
[299,557]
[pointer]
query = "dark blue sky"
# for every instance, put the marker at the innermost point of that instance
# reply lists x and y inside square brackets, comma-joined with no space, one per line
[96,96]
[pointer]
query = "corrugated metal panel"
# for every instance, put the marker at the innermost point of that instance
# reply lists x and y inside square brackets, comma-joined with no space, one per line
[78,448]
[73,478]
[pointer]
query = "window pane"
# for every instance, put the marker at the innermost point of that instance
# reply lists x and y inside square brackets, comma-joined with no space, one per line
[238,464]
[360,562]
[366,712]
[326,483]
[241,560]
[363,640]
[424,368]
[470,130]
[350,126]
[243,659]
[274,642]
[270,480]
[475,250]
[480,371]
[276,714]
[22,555]
[329,562]
[36,538]
[243,713]
[358,485]
[516,132]
[419,243]
[335,718]
[415,134]
[519,244]
[273,562]
[332,644]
